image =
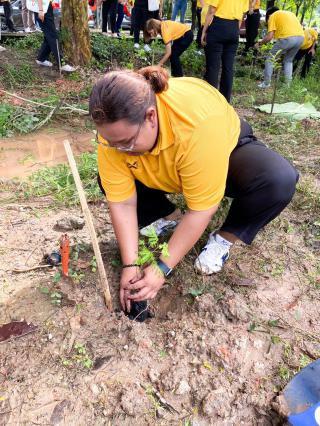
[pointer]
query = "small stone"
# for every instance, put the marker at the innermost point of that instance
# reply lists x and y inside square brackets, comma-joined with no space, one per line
[183,388]
[172,333]
[153,375]
[161,412]
[126,347]
[69,223]
[95,389]
[50,336]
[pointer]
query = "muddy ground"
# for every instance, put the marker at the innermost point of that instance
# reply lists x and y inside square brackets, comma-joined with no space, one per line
[219,349]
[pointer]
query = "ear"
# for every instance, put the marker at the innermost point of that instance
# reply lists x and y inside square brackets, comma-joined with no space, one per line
[152,116]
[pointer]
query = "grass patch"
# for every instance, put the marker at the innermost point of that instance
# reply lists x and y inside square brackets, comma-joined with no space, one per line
[58,181]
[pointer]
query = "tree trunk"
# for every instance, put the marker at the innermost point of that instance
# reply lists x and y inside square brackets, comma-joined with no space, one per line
[75,31]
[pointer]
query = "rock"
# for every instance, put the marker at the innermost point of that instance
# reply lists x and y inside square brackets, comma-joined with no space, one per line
[183,388]
[134,401]
[153,375]
[95,389]
[161,412]
[69,224]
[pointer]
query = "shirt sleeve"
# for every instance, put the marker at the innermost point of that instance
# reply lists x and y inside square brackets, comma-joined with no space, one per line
[116,178]
[203,167]
[271,24]
[214,3]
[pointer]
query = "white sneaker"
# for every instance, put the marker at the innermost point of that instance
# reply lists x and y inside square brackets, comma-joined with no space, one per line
[161,226]
[147,48]
[136,46]
[264,85]
[68,68]
[2,49]
[213,255]
[27,30]
[44,63]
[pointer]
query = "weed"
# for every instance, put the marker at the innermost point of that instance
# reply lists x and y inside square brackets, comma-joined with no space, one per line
[81,356]
[15,76]
[150,249]
[93,264]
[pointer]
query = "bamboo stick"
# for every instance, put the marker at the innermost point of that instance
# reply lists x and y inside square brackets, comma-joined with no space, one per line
[88,218]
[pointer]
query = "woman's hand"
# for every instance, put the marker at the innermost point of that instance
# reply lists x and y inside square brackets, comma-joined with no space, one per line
[147,287]
[128,275]
[41,15]
[204,39]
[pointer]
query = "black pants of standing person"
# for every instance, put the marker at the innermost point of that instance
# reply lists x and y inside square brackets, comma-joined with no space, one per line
[109,7]
[199,27]
[178,47]
[252,28]
[260,182]
[50,41]
[306,55]
[140,16]
[222,44]
[7,14]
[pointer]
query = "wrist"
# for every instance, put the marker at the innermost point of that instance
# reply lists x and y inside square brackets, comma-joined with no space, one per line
[164,268]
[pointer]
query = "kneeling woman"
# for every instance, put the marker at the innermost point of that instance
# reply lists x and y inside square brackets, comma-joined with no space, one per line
[177,38]
[159,135]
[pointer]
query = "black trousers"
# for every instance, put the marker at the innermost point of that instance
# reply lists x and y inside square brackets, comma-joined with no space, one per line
[222,44]
[50,41]
[140,16]
[178,47]
[109,7]
[7,14]
[199,26]
[307,61]
[252,28]
[260,182]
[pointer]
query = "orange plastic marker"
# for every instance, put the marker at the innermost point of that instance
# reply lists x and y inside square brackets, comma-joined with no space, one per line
[65,251]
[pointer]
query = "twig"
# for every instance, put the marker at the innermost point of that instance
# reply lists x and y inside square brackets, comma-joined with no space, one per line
[69,107]
[48,117]
[17,271]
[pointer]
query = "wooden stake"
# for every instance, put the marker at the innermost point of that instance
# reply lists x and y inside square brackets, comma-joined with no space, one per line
[89,222]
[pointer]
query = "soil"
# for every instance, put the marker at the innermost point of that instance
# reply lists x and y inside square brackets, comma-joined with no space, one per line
[219,349]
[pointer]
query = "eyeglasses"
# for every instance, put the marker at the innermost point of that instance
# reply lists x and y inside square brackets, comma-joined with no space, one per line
[124,147]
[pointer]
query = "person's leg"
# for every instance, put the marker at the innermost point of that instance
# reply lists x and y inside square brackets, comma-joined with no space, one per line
[261,183]
[113,15]
[137,25]
[293,45]
[51,42]
[175,10]
[24,14]
[183,9]
[306,64]
[252,28]
[226,81]
[214,49]
[120,17]
[268,68]
[299,55]
[105,9]
[7,15]
[152,204]
[199,33]
[178,47]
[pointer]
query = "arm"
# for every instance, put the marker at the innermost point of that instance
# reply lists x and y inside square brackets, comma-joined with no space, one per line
[41,12]
[265,40]
[312,50]
[166,55]
[125,225]
[210,15]
[188,232]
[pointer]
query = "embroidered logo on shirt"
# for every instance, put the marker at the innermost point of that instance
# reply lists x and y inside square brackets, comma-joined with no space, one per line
[133,165]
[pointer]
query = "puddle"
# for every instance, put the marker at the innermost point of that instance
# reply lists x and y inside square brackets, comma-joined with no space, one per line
[22,155]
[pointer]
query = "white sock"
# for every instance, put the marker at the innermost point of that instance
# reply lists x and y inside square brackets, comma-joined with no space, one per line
[222,240]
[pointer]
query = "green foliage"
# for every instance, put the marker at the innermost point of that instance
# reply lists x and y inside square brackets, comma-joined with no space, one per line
[16,76]
[150,249]
[16,119]
[58,181]
[33,41]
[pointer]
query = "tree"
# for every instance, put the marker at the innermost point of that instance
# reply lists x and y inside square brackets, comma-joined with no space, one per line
[75,31]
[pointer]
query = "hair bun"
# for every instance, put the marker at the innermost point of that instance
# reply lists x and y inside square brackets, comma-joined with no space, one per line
[157,77]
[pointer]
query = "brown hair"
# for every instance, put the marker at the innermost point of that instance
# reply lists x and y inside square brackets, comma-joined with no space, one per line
[151,24]
[126,95]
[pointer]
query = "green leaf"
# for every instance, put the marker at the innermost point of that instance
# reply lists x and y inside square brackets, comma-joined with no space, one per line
[252,327]
[44,290]
[273,323]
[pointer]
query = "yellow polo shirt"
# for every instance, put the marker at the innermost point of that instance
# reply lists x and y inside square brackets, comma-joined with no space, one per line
[171,30]
[204,12]
[310,36]
[230,9]
[198,129]
[284,24]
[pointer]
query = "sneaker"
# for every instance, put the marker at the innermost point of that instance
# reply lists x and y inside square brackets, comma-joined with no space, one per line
[161,226]
[118,35]
[136,46]
[147,48]
[213,255]
[27,30]
[2,49]
[68,68]
[264,85]
[44,63]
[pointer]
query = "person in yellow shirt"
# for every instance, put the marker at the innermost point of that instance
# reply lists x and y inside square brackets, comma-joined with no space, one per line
[307,51]
[177,38]
[160,135]
[285,27]
[221,36]
[252,24]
